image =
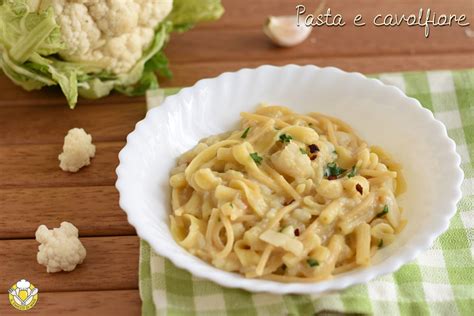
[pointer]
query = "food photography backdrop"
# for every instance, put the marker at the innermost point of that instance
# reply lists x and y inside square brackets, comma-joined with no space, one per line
[121,275]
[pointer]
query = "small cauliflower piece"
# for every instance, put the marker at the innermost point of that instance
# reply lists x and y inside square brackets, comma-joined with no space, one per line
[292,162]
[60,248]
[330,189]
[77,150]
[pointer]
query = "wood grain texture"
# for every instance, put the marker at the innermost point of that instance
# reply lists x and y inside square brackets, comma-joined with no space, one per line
[30,125]
[94,211]
[252,14]
[118,303]
[38,166]
[188,74]
[325,42]
[238,36]
[111,264]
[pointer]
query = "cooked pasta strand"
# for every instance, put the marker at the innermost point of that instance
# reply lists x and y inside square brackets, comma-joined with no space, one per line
[363,244]
[287,197]
[263,260]
[230,238]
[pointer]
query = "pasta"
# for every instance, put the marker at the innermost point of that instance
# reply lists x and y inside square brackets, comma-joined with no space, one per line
[287,197]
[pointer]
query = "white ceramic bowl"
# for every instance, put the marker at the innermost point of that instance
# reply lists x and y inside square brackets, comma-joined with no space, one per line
[380,114]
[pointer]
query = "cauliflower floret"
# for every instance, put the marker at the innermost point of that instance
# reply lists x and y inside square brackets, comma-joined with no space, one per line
[60,248]
[292,162]
[112,34]
[77,150]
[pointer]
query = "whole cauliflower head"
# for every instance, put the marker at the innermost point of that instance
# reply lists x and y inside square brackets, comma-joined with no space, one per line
[77,150]
[60,248]
[111,34]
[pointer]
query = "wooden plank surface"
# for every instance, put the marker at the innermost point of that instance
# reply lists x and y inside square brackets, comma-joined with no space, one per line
[188,74]
[36,128]
[33,190]
[50,206]
[117,302]
[328,42]
[38,166]
[251,13]
[111,264]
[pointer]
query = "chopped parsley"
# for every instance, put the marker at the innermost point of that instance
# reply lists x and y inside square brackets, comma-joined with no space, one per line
[312,262]
[303,151]
[384,211]
[333,170]
[231,205]
[245,133]
[380,245]
[284,138]
[255,157]
[352,173]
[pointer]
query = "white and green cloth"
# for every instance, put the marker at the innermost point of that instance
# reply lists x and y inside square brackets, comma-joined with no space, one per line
[439,282]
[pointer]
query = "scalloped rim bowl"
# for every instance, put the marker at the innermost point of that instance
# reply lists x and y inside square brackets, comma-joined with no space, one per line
[382,115]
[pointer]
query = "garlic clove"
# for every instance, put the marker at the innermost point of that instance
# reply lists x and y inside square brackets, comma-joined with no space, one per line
[283,30]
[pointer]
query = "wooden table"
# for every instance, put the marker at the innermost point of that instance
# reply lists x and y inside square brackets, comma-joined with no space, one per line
[34,191]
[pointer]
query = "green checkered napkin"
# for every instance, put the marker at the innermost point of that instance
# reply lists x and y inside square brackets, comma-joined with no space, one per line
[439,282]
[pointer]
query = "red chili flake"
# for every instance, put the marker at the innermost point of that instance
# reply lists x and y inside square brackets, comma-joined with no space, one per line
[288,203]
[313,148]
[332,177]
[312,157]
[297,232]
[359,188]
